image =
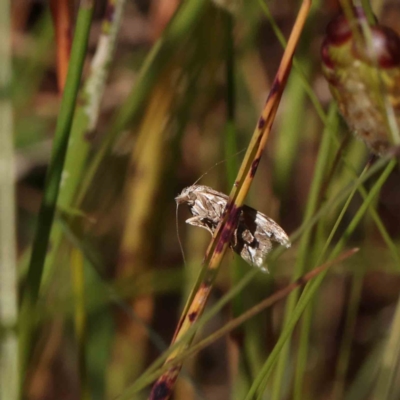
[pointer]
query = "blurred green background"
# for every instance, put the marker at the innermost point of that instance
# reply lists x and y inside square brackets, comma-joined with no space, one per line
[169,89]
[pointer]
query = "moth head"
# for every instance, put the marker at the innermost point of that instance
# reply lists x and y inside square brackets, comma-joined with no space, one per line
[187,196]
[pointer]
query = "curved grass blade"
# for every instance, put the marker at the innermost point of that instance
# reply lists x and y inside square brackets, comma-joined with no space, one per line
[329,126]
[156,370]
[260,382]
[147,377]
[268,302]
[321,167]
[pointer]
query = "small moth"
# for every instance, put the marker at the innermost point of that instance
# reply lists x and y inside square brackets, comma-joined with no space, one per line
[254,234]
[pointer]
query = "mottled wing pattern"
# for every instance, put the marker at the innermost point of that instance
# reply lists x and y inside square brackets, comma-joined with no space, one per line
[205,204]
[254,234]
[258,232]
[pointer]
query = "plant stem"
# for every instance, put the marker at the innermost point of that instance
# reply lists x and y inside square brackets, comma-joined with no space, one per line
[85,121]
[52,184]
[9,382]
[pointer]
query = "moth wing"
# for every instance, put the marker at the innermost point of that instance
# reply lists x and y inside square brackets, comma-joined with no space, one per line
[207,190]
[207,208]
[254,236]
[201,223]
[267,228]
[215,201]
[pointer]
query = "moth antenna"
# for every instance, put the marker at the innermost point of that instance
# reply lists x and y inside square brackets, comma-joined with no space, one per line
[219,162]
[177,234]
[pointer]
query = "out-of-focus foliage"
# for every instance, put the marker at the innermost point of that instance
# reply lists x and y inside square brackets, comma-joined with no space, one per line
[183,90]
[363,69]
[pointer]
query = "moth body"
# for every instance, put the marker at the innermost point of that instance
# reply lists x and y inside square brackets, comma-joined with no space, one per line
[255,232]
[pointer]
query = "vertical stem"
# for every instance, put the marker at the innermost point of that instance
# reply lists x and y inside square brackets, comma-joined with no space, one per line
[260,382]
[85,120]
[78,280]
[53,179]
[304,247]
[9,383]
[347,337]
[230,134]
[390,360]
[237,355]
[62,17]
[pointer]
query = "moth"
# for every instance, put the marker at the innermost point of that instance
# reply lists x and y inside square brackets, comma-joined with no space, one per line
[254,234]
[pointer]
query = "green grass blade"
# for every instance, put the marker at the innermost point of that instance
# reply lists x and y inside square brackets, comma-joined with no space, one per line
[390,360]
[80,319]
[230,150]
[320,112]
[261,380]
[249,313]
[333,179]
[360,389]
[303,253]
[363,208]
[345,346]
[53,178]
[85,120]
[180,25]
[153,371]
[9,379]
[288,138]
[296,64]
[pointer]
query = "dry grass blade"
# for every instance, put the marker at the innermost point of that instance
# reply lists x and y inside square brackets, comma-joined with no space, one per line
[134,255]
[162,389]
[268,302]
[62,19]
[236,322]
